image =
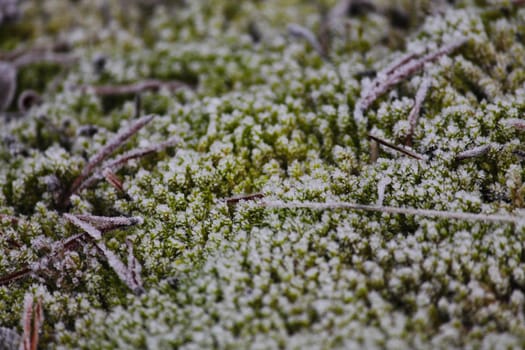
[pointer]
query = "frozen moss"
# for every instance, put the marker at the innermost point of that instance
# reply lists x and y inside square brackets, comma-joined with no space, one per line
[262,111]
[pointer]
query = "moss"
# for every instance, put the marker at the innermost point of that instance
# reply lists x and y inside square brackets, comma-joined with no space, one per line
[266,114]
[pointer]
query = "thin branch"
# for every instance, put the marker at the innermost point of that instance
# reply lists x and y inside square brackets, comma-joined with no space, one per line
[113,180]
[120,161]
[107,150]
[136,88]
[106,223]
[46,57]
[393,210]
[414,113]
[36,50]
[474,152]
[134,267]
[90,230]
[243,197]
[101,223]
[26,322]
[400,149]
[116,264]
[516,123]
[8,73]
[299,31]
[382,83]
[396,64]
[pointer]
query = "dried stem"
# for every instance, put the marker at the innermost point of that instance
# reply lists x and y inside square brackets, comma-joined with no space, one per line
[30,335]
[384,82]
[414,113]
[105,151]
[392,210]
[116,264]
[45,57]
[37,50]
[120,161]
[136,88]
[400,149]
[106,223]
[474,152]
[516,123]
[244,197]
[299,31]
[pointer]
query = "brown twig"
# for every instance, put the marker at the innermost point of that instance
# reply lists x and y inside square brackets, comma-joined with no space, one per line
[31,330]
[384,82]
[45,57]
[414,113]
[516,123]
[136,88]
[299,31]
[120,161]
[127,276]
[400,149]
[107,150]
[243,197]
[101,223]
[8,74]
[474,152]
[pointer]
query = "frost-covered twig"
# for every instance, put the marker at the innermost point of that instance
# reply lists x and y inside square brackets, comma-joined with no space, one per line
[393,210]
[107,150]
[127,276]
[120,161]
[108,223]
[134,267]
[128,89]
[401,70]
[299,31]
[8,74]
[46,57]
[474,152]
[414,113]
[397,148]
[243,197]
[516,123]
[31,329]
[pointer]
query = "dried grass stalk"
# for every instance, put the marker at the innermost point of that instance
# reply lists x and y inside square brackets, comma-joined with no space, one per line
[393,210]
[398,72]
[108,149]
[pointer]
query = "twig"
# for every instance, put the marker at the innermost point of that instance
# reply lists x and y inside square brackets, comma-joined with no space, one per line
[8,74]
[392,210]
[414,113]
[134,266]
[136,88]
[120,161]
[30,335]
[106,223]
[397,148]
[515,123]
[116,264]
[382,83]
[46,57]
[105,151]
[474,152]
[101,223]
[299,31]
[243,197]
[36,50]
